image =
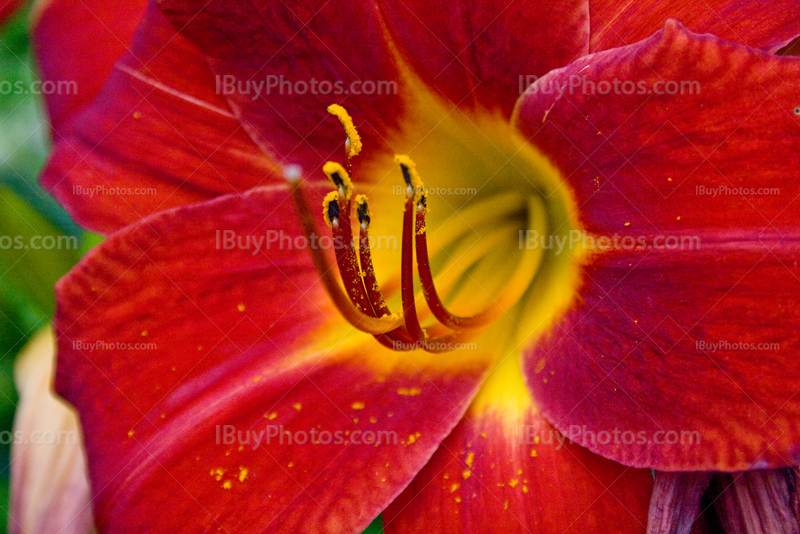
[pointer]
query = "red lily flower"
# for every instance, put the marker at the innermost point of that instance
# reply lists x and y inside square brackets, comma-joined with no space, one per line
[184,355]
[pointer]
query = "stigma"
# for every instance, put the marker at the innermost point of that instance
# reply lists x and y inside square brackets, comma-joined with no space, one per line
[357,294]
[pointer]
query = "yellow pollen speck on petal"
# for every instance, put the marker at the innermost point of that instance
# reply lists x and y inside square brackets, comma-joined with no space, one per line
[137,115]
[513,482]
[537,439]
[373,419]
[466,474]
[130,433]
[458,499]
[505,505]
[409,392]
[349,128]
[271,416]
[483,434]
[199,347]
[525,489]
[540,366]
[678,218]
[534,454]
[242,474]
[297,406]
[470,457]
[357,405]
[144,333]
[627,224]
[256,379]
[163,416]
[240,307]
[291,464]
[454,487]
[217,473]
[227,484]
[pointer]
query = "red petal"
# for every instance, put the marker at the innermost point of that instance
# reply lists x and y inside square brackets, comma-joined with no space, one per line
[504,469]
[8,8]
[482,54]
[765,24]
[630,346]
[362,41]
[157,137]
[79,41]
[243,338]
[293,43]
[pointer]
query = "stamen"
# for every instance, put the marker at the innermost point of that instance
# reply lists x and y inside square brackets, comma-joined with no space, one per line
[367,269]
[346,257]
[369,302]
[407,276]
[354,140]
[514,288]
[359,320]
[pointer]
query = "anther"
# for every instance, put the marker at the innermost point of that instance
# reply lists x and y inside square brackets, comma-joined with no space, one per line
[353,139]
[340,178]
[411,177]
[362,212]
[330,209]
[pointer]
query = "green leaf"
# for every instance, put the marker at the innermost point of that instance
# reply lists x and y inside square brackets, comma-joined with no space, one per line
[34,254]
[376,527]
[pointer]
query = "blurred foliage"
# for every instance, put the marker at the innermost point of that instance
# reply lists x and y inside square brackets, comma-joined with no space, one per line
[38,241]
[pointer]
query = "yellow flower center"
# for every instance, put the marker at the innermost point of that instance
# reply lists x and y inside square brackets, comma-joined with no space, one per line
[483,210]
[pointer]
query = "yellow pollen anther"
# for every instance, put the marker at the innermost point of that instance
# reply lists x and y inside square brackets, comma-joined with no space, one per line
[349,128]
[330,209]
[339,177]
[362,211]
[410,174]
